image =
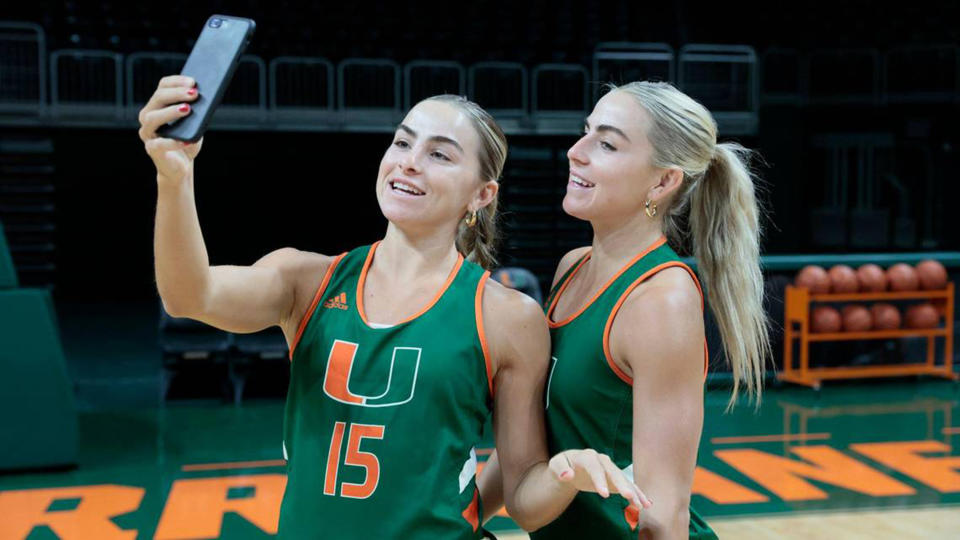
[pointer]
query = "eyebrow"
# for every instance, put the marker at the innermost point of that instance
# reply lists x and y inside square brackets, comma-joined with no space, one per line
[437,138]
[607,127]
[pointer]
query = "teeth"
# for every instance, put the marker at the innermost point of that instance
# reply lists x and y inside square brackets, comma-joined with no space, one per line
[580,182]
[400,186]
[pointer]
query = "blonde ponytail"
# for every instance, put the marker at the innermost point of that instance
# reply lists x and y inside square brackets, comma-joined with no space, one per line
[717,211]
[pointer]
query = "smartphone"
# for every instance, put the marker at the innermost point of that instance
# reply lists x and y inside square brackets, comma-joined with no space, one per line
[211,63]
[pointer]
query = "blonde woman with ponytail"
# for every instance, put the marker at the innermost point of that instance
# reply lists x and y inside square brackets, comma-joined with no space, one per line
[399,349]
[626,314]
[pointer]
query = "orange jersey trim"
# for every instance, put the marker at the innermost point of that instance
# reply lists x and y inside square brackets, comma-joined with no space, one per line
[363,280]
[316,300]
[478,310]
[472,512]
[556,298]
[623,297]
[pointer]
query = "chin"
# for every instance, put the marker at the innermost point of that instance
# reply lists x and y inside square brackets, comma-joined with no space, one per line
[576,209]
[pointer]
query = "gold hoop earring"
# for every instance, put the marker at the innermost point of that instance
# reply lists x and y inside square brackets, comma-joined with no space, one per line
[472,219]
[650,208]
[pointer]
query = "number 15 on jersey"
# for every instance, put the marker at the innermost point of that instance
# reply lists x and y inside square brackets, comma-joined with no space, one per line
[354,458]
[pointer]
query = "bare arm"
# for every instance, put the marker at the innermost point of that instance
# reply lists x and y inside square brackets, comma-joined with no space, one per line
[534,490]
[659,334]
[234,298]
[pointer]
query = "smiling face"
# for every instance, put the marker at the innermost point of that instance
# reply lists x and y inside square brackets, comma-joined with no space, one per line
[611,168]
[430,175]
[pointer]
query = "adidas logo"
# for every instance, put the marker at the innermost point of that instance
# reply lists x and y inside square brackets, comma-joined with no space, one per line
[339,302]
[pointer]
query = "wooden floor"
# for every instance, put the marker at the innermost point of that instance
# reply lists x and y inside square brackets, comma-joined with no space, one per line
[922,523]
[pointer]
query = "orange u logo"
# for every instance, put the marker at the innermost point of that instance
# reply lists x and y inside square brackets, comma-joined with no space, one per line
[400,383]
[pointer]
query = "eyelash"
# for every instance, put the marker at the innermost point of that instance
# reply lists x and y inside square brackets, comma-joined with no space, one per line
[403,144]
[603,144]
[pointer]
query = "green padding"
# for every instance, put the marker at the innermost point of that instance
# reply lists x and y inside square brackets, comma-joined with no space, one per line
[8,274]
[779,263]
[38,417]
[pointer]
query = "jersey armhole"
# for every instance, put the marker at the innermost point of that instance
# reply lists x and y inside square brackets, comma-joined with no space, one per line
[623,297]
[478,310]
[316,300]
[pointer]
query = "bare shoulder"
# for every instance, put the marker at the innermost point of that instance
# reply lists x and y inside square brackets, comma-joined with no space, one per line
[299,268]
[661,320]
[289,258]
[302,273]
[506,307]
[674,287]
[514,324]
[567,261]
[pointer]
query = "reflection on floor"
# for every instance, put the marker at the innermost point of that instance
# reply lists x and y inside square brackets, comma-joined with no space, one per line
[806,464]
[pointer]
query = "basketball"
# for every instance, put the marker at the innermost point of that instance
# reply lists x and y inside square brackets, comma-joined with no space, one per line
[843,279]
[885,317]
[932,275]
[902,277]
[814,278]
[922,316]
[872,278]
[857,318]
[825,320]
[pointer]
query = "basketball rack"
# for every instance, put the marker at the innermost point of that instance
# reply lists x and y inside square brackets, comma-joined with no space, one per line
[797,328]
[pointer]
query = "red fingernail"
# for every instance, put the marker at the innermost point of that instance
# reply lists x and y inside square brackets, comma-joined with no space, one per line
[183,108]
[566,474]
[192,91]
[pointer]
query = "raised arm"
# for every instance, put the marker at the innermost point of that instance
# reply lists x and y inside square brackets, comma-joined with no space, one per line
[273,291]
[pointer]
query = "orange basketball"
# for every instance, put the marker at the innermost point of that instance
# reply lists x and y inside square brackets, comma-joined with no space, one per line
[857,319]
[843,279]
[932,275]
[814,278]
[825,319]
[902,277]
[922,316]
[872,278]
[885,317]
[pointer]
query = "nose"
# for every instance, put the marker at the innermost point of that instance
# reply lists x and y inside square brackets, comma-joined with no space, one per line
[577,153]
[409,163]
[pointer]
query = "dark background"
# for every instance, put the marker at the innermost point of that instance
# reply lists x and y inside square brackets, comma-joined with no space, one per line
[259,191]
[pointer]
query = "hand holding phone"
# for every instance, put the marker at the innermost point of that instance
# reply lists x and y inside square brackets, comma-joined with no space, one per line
[211,65]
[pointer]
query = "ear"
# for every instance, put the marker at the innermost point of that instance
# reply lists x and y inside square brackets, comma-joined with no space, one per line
[487,193]
[668,182]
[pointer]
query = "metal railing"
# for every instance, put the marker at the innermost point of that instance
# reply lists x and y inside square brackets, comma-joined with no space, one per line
[103,87]
[23,68]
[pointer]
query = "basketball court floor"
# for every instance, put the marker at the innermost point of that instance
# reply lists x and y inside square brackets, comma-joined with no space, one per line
[864,459]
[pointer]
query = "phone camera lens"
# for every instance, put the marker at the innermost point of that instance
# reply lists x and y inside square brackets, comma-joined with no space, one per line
[215,23]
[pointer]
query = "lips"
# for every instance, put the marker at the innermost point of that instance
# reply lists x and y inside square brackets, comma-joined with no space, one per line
[579,182]
[405,187]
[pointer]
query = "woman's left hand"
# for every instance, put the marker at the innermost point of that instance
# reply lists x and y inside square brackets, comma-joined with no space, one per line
[590,471]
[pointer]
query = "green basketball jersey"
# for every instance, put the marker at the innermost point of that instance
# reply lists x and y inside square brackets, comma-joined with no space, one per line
[589,398]
[381,422]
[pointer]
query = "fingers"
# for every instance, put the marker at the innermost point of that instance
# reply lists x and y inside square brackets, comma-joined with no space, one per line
[171,81]
[166,96]
[561,468]
[151,121]
[175,89]
[592,471]
[623,485]
[588,460]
